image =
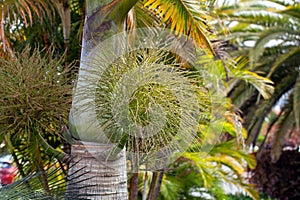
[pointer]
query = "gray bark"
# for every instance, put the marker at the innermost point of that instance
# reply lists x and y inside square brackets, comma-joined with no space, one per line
[94,177]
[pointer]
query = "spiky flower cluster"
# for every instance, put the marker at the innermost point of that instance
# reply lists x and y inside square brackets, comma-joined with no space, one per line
[35,92]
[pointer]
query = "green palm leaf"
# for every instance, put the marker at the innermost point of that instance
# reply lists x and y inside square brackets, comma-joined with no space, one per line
[184,17]
[265,38]
[273,27]
[297,102]
[240,71]
[144,17]
[292,11]
[293,52]
[31,187]
[262,84]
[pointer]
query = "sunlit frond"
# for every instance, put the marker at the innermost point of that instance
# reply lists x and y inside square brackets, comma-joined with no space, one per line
[188,17]
[268,33]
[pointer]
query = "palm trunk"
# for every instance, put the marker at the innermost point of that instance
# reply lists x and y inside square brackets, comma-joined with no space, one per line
[134,187]
[65,13]
[92,176]
[96,178]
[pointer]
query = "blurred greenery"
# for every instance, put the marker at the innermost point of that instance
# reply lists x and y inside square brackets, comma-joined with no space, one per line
[245,197]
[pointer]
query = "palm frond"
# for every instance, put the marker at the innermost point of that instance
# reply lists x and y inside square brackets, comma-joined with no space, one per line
[61,185]
[170,188]
[296,102]
[31,186]
[229,149]
[141,17]
[145,17]
[293,11]
[284,127]
[262,84]
[267,36]
[293,53]
[187,17]
[25,9]
[223,163]
[23,13]
[265,107]
[260,18]
[273,27]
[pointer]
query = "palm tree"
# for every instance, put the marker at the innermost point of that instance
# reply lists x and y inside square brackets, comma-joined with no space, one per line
[103,21]
[42,23]
[107,177]
[30,23]
[32,130]
[272,27]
